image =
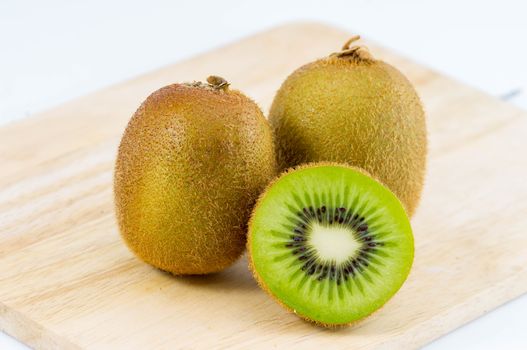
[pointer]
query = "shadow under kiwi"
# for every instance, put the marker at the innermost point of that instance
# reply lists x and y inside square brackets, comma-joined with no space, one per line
[236,276]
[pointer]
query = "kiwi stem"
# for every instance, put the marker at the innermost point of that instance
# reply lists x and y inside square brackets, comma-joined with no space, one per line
[218,83]
[350,40]
[356,52]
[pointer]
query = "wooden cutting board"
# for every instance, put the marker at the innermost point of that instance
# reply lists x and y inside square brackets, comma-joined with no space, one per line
[67,281]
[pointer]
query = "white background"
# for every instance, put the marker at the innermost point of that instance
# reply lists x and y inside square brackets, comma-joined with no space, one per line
[53,51]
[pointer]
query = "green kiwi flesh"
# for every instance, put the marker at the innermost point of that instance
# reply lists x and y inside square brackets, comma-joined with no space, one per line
[330,243]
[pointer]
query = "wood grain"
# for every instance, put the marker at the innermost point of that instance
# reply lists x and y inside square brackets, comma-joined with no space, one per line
[68,282]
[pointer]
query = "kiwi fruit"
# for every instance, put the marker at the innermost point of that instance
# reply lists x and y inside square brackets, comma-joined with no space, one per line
[330,243]
[351,108]
[190,166]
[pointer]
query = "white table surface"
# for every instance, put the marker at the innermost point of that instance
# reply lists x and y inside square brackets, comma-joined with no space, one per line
[53,51]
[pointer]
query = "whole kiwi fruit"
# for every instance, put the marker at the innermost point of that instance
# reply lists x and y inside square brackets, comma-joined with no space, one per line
[330,243]
[352,108]
[191,163]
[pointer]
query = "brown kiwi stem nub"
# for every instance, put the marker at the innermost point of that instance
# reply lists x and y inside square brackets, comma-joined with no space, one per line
[354,52]
[218,83]
[354,38]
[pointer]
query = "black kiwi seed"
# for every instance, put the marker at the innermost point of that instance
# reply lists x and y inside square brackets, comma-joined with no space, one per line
[363,227]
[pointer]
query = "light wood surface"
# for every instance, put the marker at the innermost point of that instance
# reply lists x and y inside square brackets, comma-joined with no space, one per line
[67,281]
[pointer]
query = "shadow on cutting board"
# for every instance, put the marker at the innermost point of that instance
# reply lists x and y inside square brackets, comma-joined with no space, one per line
[237,276]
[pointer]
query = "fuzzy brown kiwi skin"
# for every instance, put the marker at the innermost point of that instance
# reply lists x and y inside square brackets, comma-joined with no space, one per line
[351,108]
[255,274]
[189,152]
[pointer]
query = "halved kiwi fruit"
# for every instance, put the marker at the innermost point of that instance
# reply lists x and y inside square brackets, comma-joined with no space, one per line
[330,243]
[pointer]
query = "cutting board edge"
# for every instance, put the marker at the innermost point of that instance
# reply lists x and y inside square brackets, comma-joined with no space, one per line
[30,332]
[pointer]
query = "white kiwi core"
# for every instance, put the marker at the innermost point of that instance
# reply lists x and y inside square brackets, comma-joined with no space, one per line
[334,243]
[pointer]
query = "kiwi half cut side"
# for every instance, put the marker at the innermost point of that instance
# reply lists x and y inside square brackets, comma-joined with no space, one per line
[330,243]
